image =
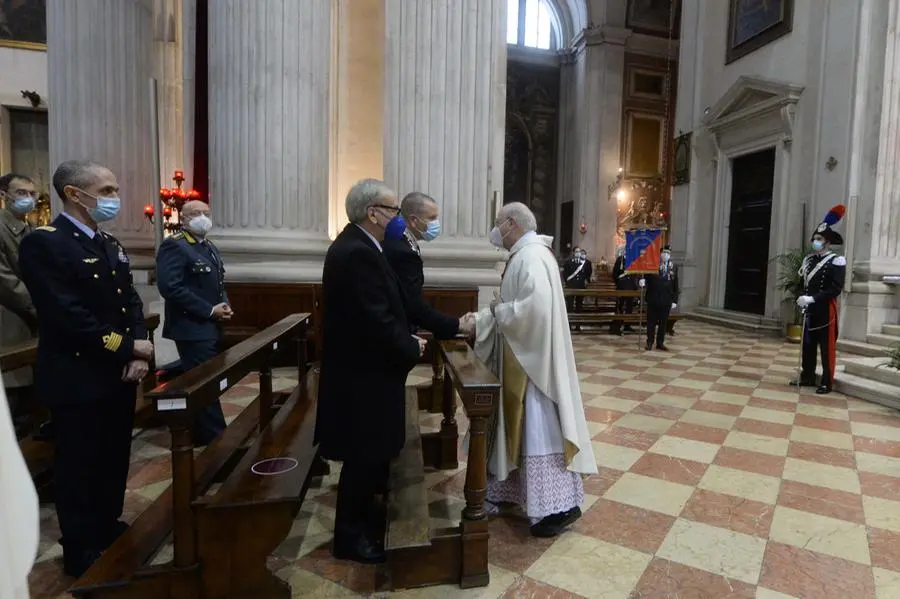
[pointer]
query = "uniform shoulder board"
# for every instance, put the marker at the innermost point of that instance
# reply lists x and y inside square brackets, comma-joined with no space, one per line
[840,261]
[47,228]
[178,235]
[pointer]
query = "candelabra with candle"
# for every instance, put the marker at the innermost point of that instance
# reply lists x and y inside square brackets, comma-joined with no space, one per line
[172,200]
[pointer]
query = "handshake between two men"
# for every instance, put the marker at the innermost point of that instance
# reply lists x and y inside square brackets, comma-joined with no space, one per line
[466,328]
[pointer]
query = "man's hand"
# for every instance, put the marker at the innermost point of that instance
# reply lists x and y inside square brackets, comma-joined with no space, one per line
[805,300]
[222,312]
[143,349]
[422,344]
[642,282]
[674,306]
[134,371]
[467,324]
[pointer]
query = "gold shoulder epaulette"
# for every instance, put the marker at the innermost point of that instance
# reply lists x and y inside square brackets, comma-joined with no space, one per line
[178,235]
[47,228]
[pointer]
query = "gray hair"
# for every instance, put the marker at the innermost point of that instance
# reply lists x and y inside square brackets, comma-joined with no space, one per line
[362,196]
[520,213]
[414,202]
[77,173]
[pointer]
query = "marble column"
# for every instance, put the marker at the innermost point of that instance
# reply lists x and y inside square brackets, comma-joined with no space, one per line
[593,113]
[872,228]
[444,123]
[270,124]
[169,46]
[100,59]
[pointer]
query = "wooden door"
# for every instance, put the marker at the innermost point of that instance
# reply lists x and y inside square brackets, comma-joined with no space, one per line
[748,233]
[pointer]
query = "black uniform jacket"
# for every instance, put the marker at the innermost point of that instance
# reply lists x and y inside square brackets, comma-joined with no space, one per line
[580,280]
[89,313]
[628,282]
[367,353]
[825,282]
[191,278]
[662,288]
[403,256]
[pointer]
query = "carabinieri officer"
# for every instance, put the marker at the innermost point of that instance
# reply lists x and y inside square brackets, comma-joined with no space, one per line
[92,352]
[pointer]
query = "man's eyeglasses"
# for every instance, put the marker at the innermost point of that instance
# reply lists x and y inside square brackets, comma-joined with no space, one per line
[394,209]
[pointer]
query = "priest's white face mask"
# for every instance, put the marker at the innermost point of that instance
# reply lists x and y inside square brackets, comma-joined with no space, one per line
[497,235]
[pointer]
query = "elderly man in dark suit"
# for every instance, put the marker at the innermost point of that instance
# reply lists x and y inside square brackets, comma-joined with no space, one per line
[367,354]
[421,214]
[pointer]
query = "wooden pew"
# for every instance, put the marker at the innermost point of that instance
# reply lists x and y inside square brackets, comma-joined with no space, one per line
[599,308]
[39,454]
[221,540]
[418,555]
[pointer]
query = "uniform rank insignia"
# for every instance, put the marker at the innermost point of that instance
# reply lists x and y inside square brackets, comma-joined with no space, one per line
[91,260]
[122,256]
[112,341]
[47,228]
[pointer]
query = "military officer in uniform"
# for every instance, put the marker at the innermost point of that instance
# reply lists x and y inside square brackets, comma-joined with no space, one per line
[422,214]
[623,282]
[577,273]
[191,278]
[661,298]
[92,352]
[823,274]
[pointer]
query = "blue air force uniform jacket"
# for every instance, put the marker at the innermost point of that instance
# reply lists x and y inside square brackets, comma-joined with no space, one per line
[191,278]
[89,314]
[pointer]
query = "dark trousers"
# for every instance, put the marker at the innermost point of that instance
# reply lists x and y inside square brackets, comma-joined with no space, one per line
[209,422]
[91,458]
[624,305]
[574,303]
[821,335]
[356,513]
[657,321]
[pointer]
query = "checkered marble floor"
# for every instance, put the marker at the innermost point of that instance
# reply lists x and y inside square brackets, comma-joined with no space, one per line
[717,481]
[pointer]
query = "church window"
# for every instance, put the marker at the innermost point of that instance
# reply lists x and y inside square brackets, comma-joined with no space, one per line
[532,23]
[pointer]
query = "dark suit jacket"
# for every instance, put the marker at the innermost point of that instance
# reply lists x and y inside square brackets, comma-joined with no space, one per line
[626,283]
[367,353]
[662,291]
[407,265]
[191,278]
[89,314]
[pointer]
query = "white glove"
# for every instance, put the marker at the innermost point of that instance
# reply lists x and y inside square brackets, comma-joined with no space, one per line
[805,300]
[674,306]
[642,283]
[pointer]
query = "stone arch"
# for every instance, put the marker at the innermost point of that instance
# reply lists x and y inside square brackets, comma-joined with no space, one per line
[571,18]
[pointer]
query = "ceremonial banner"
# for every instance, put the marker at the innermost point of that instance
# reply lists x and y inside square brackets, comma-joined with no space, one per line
[642,248]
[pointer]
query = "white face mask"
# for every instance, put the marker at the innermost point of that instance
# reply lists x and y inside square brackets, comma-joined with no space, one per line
[201,225]
[665,257]
[496,238]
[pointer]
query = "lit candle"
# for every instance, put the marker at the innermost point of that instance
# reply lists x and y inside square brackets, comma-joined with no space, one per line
[148,210]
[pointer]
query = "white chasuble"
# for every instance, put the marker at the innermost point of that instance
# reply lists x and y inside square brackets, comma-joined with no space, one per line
[19,517]
[531,321]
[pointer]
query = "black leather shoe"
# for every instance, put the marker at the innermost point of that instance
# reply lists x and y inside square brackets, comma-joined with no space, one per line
[555,524]
[662,348]
[649,347]
[802,383]
[76,563]
[359,549]
[823,390]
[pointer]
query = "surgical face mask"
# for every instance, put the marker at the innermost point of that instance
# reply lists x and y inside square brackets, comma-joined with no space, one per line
[19,205]
[665,257]
[107,208]
[818,244]
[201,225]
[496,238]
[432,230]
[395,228]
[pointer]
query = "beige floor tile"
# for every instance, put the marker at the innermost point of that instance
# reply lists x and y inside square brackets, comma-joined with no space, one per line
[649,424]
[887,584]
[882,513]
[839,538]
[823,411]
[764,593]
[500,581]
[650,493]
[708,419]
[595,428]
[307,585]
[821,475]
[642,385]
[686,449]
[593,388]
[717,550]
[615,456]
[822,437]
[691,384]
[613,403]
[875,431]
[877,464]
[729,398]
[767,415]
[676,401]
[590,567]
[740,483]
[759,443]
[681,362]
[726,380]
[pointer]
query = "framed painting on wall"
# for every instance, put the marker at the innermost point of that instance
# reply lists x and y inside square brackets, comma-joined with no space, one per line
[652,17]
[681,163]
[753,24]
[23,24]
[644,147]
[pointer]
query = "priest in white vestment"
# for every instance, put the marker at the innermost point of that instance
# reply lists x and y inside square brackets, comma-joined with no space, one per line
[539,444]
[19,518]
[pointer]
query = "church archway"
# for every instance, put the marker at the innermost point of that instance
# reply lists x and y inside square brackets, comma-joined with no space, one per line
[545,24]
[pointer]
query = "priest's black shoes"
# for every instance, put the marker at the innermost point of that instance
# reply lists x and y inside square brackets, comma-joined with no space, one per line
[555,524]
[823,390]
[76,563]
[649,347]
[358,549]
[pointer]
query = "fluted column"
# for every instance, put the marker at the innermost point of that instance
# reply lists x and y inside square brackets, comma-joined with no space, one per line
[269,135]
[444,124]
[100,60]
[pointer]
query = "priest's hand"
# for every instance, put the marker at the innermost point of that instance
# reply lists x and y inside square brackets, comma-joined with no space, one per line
[134,371]
[422,344]
[805,300]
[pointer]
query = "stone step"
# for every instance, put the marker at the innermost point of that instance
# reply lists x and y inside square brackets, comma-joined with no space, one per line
[739,317]
[864,388]
[891,329]
[723,320]
[876,369]
[860,348]
[889,341]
